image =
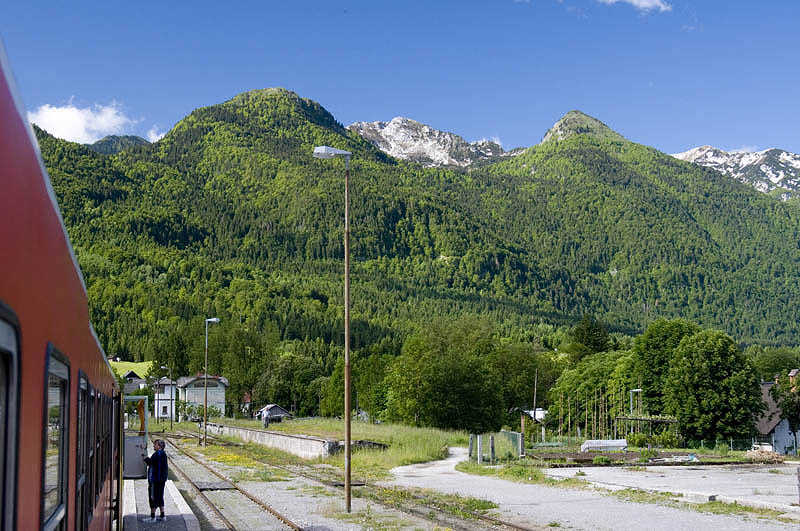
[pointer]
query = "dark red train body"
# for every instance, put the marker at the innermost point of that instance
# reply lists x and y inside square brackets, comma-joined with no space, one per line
[59,400]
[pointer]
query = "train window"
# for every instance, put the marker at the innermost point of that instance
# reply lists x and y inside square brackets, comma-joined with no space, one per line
[8,418]
[56,437]
[90,463]
[81,516]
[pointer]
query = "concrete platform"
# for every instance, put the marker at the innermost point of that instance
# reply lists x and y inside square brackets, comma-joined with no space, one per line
[136,508]
[761,486]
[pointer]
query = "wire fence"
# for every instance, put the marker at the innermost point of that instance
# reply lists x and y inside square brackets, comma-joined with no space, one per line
[509,445]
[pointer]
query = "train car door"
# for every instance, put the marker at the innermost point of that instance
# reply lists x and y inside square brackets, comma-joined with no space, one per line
[9,397]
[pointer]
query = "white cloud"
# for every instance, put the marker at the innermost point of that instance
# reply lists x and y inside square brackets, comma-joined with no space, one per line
[155,133]
[644,5]
[81,124]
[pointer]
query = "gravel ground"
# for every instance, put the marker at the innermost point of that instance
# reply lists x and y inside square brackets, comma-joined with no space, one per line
[310,505]
[772,486]
[590,509]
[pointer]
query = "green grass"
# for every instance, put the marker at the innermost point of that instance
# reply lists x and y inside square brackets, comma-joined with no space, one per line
[121,367]
[717,507]
[462,506]
[520,473]
[644,496]
[406,445]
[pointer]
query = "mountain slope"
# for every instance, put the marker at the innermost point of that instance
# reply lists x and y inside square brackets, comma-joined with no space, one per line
[772,171]
[229,215]
[111,144]
[577,123]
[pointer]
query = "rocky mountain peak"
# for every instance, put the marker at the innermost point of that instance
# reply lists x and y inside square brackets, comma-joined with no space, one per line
[578,123]
[411,140]
[773,171]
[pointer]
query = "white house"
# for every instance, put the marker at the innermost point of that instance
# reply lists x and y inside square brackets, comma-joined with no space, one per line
[166,393]
[191,389]
[773,429]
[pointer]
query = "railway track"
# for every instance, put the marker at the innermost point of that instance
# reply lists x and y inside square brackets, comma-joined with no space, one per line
[417,505]
[234,507]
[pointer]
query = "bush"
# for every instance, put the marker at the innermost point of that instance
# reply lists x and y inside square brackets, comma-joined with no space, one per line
[601,460]
[665,440]
[647,453]
[637,439]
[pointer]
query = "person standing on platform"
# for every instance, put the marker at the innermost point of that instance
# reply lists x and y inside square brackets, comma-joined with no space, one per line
[156,479]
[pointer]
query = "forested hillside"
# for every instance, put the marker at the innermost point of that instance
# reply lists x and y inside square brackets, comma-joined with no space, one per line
[230,216]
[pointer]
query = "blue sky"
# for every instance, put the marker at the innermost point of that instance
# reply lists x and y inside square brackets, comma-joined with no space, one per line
[673,74]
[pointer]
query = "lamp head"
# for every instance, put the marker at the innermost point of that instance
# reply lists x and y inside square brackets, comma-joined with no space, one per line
[212,320]
[327,152]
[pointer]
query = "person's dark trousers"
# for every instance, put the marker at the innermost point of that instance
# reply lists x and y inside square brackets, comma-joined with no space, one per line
[155,492]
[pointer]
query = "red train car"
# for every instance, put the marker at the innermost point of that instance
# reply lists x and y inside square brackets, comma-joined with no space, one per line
[59,399]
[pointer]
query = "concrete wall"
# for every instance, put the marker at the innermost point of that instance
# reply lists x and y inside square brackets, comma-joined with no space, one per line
[300,445]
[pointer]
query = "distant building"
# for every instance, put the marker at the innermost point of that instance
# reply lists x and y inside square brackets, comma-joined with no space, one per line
[538,415]
[276,413]
[771,428]
[165,394]
[191,389]
[133,383]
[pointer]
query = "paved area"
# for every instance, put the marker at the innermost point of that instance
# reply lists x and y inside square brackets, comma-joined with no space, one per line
[769,486]
[136,509]
[590,509]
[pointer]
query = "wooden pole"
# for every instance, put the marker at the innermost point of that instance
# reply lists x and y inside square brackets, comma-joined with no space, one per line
[569,417]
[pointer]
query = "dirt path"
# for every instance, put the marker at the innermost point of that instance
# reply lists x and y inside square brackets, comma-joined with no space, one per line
[590,509]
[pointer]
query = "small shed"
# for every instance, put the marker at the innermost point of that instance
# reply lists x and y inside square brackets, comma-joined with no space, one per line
[274,412]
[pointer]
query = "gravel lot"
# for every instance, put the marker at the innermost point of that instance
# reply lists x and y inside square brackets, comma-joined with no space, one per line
[307,503]
[591,509]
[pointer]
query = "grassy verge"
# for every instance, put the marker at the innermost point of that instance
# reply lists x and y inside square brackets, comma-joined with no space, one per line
[461,506]
[520,473]
[405,444]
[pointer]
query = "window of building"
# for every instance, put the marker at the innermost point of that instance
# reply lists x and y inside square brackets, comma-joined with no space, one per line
[56,441]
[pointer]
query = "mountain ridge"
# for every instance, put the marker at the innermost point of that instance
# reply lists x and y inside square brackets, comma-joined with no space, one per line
[772,171]
[230,213]
[414,141]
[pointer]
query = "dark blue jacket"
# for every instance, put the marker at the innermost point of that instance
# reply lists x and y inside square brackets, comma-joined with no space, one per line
[158,467]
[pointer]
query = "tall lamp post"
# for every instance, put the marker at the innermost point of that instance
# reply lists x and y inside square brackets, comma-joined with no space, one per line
[171,396]
[631,395]
[205,376]
[327,152]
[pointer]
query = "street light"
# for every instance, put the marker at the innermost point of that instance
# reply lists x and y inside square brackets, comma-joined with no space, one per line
[631,395]
[205,396]
[171,396]
[327,152]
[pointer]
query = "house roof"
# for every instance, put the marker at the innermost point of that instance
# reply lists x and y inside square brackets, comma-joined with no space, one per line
[183,381]
[164,381]
[274,411]
[771,416]
[131,375]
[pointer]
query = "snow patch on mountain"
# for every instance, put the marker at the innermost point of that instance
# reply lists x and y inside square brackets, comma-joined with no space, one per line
[408,139]
[768,171]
